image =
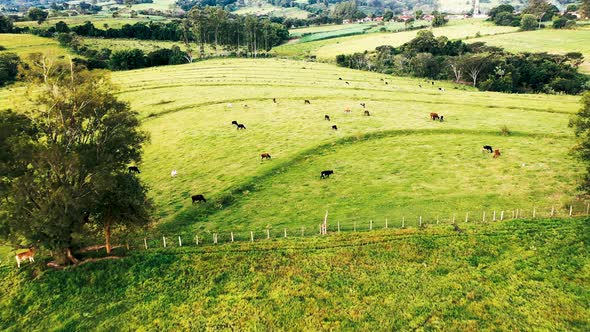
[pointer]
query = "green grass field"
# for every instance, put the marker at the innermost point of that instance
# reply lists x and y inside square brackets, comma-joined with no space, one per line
[99,20]
[546,40]
[24,44]
[264,8]
[509,276]
[327,50]
[123,44]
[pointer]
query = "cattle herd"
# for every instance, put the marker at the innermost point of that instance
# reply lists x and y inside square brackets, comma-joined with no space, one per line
[326,173]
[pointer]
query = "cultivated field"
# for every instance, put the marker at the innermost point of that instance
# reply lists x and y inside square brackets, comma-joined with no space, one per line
[24,44]
[509,276]
[328,49]
[546,40]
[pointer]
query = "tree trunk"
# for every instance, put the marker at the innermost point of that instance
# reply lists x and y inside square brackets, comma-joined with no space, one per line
[107,237]
[71,257]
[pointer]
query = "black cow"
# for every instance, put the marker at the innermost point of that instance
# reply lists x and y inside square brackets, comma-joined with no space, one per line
[198,198]
[488,148]
[265,156]
[363,105]
[367,113]
[133,169]
[420,85]
[334,127]
[442,118]
[235,123]
[327,117]
[386,83]
[306,101]
[432,82]
[347,83]
[274,100]
[326,174]
[340,78]
[240,126]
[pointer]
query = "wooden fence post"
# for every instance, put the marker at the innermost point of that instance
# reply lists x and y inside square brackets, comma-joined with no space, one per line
[215,238]
[484,217]
[179,242]
[371,224]
[437,220]
[385,222]
[251,236]
[302,231]
[232,236]
[420,223]
[467,217]
[163,237]
[571,208]
[494,218]
[502,215]
[403,222]
[552,210]
[285,232]
[453,218]
[587,208]
[534,212]
[197,239]
[144,243]
[339,227]
[267,233]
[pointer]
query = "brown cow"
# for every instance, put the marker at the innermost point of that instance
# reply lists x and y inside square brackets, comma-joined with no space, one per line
[29,254]
[434,116]
[367,113]
[306,101]
[496,153]
[265,156]
[347,110]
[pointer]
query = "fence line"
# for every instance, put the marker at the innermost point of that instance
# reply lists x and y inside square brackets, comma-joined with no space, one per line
[327,226]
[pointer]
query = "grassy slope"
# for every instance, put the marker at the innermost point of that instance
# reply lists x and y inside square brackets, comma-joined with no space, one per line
[328,49]
[193,135]
[122,44]
[98,20]
[505,276]
[24,45]
[547,40]
[271,10]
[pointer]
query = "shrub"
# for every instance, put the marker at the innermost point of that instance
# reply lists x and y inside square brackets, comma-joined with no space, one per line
[504,131]
[528,22]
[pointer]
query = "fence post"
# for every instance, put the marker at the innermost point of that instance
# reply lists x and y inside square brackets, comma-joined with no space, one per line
[371,224]
[534,212]
[251,236]
[197,239]
[324,228]
[285,232]
[571,208]
[484,217]
[232,236]
[453,218]
[552,210]
[163,237]
[420,221]
[437,220]
[467,217]
[144,243]
[179,242]
[267,233]
[403,222]
[385,222]
[494,218]
[215,238]
[587,208]
[501,215]
[339,227]
[302,231]
[354,226]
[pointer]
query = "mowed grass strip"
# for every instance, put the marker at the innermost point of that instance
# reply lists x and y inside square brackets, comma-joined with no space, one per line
[186,109]
[25,44]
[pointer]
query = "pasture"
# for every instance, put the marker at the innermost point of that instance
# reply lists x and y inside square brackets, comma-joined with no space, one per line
[395,162]
[514,275]
[328,49]
[263,8]
[25,44]
[99,20]
[124,44]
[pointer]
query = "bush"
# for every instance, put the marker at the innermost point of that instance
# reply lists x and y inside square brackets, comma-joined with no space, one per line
[528,22]
[559,23]
[8,67]
[127,59]
[504,131]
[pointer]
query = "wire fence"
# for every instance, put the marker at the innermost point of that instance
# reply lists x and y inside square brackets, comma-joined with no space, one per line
[337,226]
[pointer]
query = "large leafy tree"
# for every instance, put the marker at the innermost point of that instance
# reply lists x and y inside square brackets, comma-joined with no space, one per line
[37,14]
[61,152]
[581,125]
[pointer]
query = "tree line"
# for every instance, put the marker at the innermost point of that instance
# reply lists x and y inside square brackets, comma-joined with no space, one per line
[536,13]
[485,67]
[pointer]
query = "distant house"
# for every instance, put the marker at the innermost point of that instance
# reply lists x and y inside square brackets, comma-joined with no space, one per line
[346,22]
[428,17]
[405,18]
[378,19]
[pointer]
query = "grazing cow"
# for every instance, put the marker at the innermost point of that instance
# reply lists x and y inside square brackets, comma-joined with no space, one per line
[347,110]
[496,153]
[327,117]
[240,126]
[29,254]
[487,148]
[340,78]
[173,173]
[432,82]
[363,105]
[334,127]
[367,113]
[326,174]
[442,118]
[347,83]
[386,83]
[230,105]
[434,116]
[457,229]
[235,123]
[198,198]
[420,85]
[306,101]
[265,156]
[245,105]
[381,79]
[133,169]
[441,89]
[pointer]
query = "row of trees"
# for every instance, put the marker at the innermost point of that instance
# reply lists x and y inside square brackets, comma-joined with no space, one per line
[63,162]
[488,68]
[535,13]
